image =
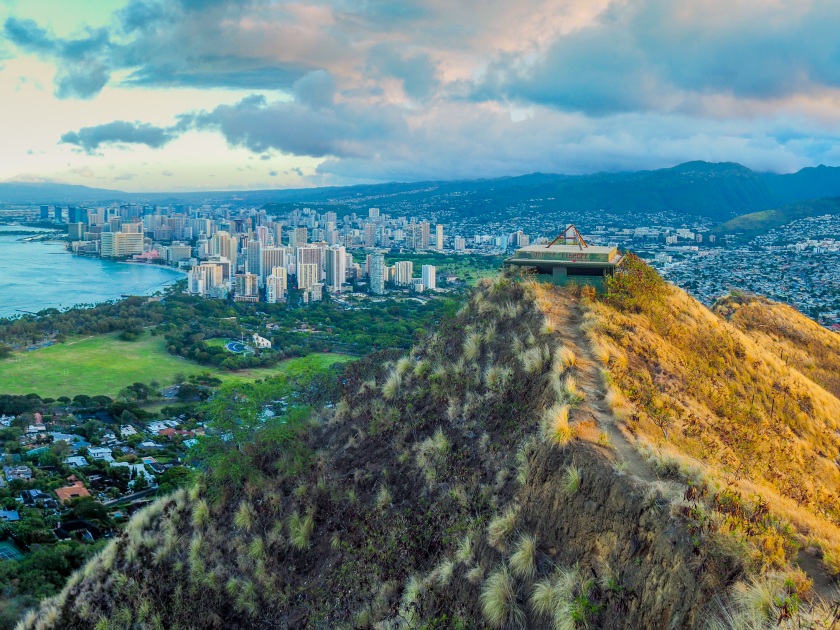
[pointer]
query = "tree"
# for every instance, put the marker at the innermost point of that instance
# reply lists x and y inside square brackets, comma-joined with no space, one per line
[174,478]
[61,450]
[89,509]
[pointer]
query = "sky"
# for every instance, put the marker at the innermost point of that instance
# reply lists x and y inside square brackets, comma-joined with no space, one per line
[154,95]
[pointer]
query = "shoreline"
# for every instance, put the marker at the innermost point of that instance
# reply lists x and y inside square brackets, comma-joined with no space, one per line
[163,283]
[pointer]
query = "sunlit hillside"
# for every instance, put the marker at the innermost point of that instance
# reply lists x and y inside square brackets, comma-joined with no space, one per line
[691,388]
[798,341]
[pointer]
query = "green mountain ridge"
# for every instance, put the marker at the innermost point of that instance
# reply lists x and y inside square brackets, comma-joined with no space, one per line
[756,223]
[694,189]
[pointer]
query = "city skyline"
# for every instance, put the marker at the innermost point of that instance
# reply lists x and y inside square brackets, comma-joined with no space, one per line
[141,95]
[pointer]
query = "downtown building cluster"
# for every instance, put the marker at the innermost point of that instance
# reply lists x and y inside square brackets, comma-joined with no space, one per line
[251,256]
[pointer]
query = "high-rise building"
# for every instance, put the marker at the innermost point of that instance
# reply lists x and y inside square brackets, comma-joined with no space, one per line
[276,285]
[373,213]
[270,257]
[177,252]
[308,275]
[439,236]
[57,212]
[262,235]
[206,280]
[120,244]
[460,243]
[403,271]
[298,237]
[429,276]
[370,235]
[76,231]
[45,213]
[278,234]
[336,268]
[309,256]
[247,287]
[417,235]
[330,217]
[77,215]
[377,274]
[254,255]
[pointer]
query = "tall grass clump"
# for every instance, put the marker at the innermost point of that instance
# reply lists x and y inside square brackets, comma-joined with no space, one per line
[501,527]
[499,601]
[300,529]
[244,517]
[573,393]
[523,560]
[571,480]
[472,346]
[555,425]
[391,386]
[552,597]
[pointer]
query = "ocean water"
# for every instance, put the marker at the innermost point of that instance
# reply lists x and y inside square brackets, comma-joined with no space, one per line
[39,275]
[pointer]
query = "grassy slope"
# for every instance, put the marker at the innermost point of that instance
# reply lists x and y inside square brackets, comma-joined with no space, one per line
[757,223]
[781,329]
[695,392]
[104,365]
[448,489]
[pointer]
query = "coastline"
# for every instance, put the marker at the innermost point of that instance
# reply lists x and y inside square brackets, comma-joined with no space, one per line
[80,283]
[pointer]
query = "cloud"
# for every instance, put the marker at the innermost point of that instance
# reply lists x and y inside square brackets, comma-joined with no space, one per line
[272,173]
[312,125]
[436,89]
[120,132]
[416,72]
[82,71]
[659,55]
[125,177]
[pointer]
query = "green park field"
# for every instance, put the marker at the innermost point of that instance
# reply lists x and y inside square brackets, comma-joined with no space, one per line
[104,364]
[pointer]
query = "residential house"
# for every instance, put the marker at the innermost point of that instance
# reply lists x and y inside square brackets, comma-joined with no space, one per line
[73,491]
[160,425]
[17,472]
[136,471]
[36,497]
[100,453]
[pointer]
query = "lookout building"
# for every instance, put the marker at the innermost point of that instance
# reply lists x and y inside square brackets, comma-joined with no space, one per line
[568,258]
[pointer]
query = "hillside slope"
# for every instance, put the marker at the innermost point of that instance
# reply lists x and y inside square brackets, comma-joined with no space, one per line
[506,473]
[755,223]
[781,329]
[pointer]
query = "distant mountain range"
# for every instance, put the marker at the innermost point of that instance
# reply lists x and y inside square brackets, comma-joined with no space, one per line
[717,191]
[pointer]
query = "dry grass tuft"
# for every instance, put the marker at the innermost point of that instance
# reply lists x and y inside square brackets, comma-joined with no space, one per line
[501,527]
[244,517]
[523,561]
[571,480]
[391,386]
[555,425]
[499,601]
[552,597]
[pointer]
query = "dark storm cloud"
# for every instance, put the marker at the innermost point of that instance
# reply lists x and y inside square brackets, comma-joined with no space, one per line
[120,132]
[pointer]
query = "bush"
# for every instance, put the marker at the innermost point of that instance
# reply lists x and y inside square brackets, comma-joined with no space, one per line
[635,285]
